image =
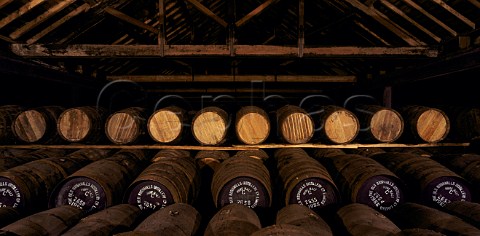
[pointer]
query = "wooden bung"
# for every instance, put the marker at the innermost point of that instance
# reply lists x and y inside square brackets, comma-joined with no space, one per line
[82,124]
[167,125]
[294,124]
[425,124]
[252,125]
[38,125]
[233,219]
[360,219]
[336,125]
[125,126]
[210,126]
[379,124]
[8,113]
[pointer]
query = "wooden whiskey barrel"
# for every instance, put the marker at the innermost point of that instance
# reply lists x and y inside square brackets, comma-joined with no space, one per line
[304,217]
[210,126]
[465,122]
[294,124]
[53,222]
[164,182]
[8,215]
[252,125]
[233,219]
[30,185]
[102,183]
[304,180]
[126,126]
[115,219]
[418,232]
[210,158]
[8,113]
[242,180]
[425,124]
[7,162]
[363,180]
[336,125]
[467,211]
[38,125]
[432,183]
[85,124]
[256,154]
[378,123]
[282,230]
[414,215]
[359,219]
[176,219]
[167,125]
[367,151]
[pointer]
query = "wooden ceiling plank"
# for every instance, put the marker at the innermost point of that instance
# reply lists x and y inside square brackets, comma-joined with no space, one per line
[124,17]
[236,78]
[255,12]
[40,19]
[390,25]
[301,27]
[6,39]
[372,33]
[4,3]
[455,13]
[407,18]
[161,22]
[431,17]
[208,12]
[83,8]
[20,12]
[153,51]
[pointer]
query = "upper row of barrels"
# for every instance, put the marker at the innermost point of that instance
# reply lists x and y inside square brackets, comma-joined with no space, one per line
[252,125]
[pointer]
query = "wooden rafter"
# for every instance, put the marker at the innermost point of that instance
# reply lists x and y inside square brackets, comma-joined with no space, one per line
[4,3]
[161,22]
[21,11]
[475,3]
[237,78]
[390,25]
[83,8]
[372,33]
[122,16]
[431,17]
[208,12]
[6,39]
[455,13]
[41,18]
[301,27]
[255,12]
[407,18]
[153,51]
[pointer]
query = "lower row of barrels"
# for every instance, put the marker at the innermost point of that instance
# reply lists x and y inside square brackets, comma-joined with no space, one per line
[250,125]
[409,219]
[322,180]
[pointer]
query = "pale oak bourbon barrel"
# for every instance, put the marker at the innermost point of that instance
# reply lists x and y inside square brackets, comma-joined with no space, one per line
[8,113]
[170,178]
[115,219]
[304,217]
[304,180]
[52,222]
[431,183]
[335,124]
[38,125]
[30,185]
[210,126]
[424,124]
[85,124]
[102,183]
[358,219]
[233,219]
[168,125]
[414,215]
[363,180]
[126,126]
[252,125]
[294,125]
[242,180]
[379,124]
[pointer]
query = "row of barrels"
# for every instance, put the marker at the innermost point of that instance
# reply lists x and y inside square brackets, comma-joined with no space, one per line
[251,124]
[355,219]
[94,179]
